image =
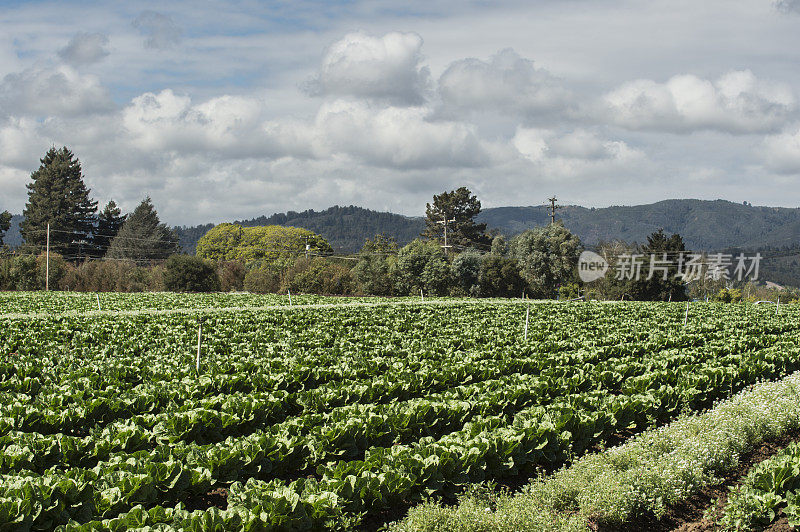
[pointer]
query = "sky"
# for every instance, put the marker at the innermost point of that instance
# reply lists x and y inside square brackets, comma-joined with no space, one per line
[221,111]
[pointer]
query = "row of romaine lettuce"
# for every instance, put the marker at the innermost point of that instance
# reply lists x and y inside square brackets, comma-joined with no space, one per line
[62,346]
[60,302]
[92,381]
[655,469]
[89,405]
[62,409]
[486,448]
[60,349]
[240,414]
[645,476]
[571,371]
[222,416]
[343,432]
[770,488]
[205,425]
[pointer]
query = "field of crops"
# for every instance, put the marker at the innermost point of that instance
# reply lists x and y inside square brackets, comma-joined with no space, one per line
[82,302]
[336,414]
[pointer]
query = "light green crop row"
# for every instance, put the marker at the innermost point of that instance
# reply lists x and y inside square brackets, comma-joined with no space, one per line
[643,476]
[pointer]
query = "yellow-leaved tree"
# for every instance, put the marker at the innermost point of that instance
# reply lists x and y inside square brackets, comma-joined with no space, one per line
[270,245]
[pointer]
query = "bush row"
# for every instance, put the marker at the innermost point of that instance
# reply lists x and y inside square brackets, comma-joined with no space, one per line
[466,275]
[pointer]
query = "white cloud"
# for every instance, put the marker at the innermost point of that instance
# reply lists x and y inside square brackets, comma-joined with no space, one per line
[737,103]
[215,127]
[506,83]
[364,66]
[19,140]
[160,30]
[539,144]
[229,127]
[14,195]
[782,152]
[85,48]
[55,91]
[399,137]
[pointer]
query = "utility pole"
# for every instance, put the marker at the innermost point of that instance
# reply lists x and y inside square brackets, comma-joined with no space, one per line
[445,222]
[553,208]
[47,263]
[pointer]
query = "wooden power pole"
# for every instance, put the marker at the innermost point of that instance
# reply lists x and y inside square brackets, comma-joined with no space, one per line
[47,263]
[553,208]
[445,222]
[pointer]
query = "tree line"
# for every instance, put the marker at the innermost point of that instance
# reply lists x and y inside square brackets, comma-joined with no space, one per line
[60,215]
[453,256]
[62,218]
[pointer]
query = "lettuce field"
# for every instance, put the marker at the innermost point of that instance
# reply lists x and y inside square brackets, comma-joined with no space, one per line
[241,412]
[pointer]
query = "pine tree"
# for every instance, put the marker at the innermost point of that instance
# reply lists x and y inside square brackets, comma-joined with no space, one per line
[109,222]
[58,196]
[5,223]
[143,237]
[459,207]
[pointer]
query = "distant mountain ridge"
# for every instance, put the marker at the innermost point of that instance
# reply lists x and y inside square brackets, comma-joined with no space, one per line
[704,225]
[12,237]
[345,228]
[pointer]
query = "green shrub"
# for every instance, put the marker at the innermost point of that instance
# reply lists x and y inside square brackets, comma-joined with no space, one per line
[231,275]
[24,273]
[465,273]
[500,277]
[107,276]
[319,276]
[262,280]
[729,295]
[185,273]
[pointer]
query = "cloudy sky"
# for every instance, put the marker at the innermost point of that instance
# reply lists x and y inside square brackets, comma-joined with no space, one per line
[223,111]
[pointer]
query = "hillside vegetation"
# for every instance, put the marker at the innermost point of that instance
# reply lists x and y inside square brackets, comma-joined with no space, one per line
[704,225]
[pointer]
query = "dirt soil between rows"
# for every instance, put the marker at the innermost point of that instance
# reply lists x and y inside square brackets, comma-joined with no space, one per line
[687,516]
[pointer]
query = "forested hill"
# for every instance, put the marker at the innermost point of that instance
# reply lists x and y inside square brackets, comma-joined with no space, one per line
[704,225]
[13,238]
[345,228]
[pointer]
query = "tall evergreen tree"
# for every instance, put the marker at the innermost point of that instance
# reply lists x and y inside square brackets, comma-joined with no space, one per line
[57,195]
[664,284]
[143,237]
[5,223]
[459,207]
[109,222]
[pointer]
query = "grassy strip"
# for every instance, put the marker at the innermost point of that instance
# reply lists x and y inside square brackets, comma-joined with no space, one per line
[644,476]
